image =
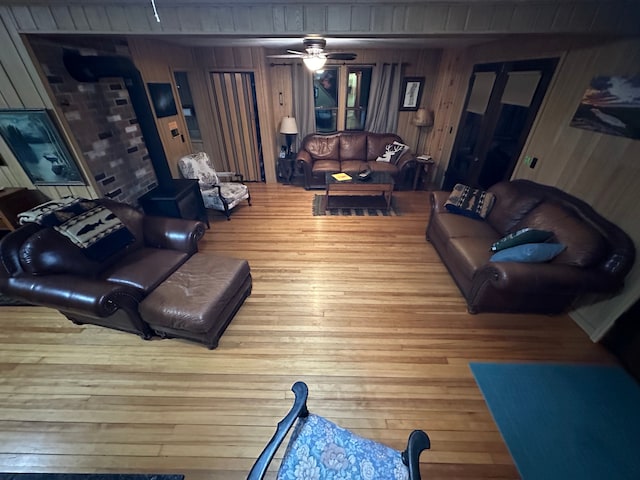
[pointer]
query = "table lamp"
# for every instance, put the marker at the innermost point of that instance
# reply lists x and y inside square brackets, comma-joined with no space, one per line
[289,129]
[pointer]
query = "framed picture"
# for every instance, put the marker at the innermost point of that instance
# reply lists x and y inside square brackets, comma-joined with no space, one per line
[411,93]
[162,97]
[611,105]
[34,140]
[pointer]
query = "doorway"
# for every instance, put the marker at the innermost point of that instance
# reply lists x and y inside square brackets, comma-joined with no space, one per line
[235,109]
[502,102]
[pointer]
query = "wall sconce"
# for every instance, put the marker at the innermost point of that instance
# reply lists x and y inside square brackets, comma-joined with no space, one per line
[423,118]
[289,129]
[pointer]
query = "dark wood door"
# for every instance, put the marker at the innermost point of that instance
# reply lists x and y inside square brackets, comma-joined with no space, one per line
[502,102]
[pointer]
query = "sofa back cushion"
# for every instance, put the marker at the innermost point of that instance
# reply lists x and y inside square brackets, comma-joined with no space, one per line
[353,146]
[585,246]
[511,205]
[376,143]
[323,147]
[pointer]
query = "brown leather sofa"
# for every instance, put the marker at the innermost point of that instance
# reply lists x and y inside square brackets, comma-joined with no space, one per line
[597,257]
[42,267]
[351,152]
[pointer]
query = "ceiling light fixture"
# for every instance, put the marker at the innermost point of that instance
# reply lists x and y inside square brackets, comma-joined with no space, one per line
[315,61]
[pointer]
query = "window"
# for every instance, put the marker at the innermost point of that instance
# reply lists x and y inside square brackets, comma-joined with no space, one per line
[186,100]
[325,95]
[358,83]
[338,107]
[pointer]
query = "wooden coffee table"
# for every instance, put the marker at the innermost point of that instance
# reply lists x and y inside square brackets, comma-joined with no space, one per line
[375,192]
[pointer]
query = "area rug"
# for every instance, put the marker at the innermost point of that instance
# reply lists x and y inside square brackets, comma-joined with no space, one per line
[88,476]
[565,422]
[319,209]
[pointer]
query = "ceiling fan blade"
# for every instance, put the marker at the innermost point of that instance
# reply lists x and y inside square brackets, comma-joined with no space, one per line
[286,55]
[341,56]
[296,52]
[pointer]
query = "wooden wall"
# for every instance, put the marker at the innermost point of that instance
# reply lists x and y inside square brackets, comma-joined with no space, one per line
[601,169]
[156,61]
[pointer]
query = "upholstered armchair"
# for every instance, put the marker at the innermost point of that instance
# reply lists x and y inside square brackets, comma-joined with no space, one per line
[322,450]
[217,194]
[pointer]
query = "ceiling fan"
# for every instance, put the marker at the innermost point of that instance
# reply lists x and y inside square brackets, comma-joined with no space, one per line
[314,56]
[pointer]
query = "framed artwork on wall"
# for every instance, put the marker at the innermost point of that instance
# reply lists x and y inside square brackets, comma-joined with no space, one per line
[411,93]
[33,137]
[162,98]
[610,105]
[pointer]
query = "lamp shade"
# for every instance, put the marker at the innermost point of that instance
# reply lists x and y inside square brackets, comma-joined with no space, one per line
[423,118]
[315,62]
[289,126]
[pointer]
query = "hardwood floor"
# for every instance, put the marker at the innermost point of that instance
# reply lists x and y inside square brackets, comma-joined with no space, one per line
[360,308]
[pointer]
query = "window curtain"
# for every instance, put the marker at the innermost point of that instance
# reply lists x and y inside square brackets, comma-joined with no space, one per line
[382,116]
[303,103]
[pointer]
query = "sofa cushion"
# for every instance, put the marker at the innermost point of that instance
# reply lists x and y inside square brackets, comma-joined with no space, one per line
[353,166]
[528,253]
[383,167]
[376,144]
[353,146]
[321,166]
[585,245]
[456,226]
[510,207]
[520,237]
[323,147]
[145,268]
[469,255]
[470,202]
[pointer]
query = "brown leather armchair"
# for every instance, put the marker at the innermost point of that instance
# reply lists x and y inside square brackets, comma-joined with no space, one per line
[44,268]
[351,152]
[597,257]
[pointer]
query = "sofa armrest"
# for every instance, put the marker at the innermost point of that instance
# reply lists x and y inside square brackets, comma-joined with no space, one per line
[544,278]
[438,199]
[75,294]
[173,233]
[304,157]
[406,160]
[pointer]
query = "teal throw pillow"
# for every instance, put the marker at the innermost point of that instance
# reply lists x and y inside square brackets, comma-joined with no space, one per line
[525,235]
[529,253]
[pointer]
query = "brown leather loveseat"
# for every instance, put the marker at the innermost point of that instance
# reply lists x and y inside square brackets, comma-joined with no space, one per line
[43,267]
[351,152]
[597,257]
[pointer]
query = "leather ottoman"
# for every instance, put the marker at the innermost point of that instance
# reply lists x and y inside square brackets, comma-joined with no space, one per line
[198,301]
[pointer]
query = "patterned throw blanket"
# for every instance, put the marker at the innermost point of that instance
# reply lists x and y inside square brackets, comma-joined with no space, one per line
[96,230]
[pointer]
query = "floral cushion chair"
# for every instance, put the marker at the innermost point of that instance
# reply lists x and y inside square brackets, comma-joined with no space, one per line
[222,196]
[321,450]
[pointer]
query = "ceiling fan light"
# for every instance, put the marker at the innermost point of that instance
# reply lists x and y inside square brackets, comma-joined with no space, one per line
[315,62]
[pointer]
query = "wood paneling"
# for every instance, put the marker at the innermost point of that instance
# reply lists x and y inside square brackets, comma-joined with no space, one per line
[156,61]
[362,309]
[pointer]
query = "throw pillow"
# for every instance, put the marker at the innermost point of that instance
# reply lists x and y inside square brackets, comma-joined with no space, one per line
[470,202]
[529,253]
[392,152]
[525,235]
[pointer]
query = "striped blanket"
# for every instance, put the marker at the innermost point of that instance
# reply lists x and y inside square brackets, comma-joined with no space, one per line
[96,230]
